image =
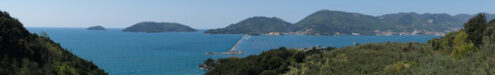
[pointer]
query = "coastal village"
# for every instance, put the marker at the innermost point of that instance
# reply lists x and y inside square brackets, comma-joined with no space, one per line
[415,32]
[377,32]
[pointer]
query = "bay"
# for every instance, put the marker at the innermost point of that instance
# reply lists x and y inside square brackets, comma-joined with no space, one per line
[180,53]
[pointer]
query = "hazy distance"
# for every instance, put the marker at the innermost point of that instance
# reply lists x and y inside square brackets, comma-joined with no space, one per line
[207,14]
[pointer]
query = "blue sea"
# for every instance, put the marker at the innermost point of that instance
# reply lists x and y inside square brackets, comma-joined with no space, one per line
[180,53]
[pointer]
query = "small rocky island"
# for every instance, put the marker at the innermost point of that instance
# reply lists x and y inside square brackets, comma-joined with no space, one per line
[154,27]
[96,28]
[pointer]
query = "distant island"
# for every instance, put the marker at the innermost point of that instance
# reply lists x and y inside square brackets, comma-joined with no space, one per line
[255,25]
[96,28]
[327,22]
[153,27]
[25,53]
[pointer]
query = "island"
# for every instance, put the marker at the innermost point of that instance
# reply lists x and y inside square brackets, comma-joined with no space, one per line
[25,53]
[255,25]
[99,27]
[154,27]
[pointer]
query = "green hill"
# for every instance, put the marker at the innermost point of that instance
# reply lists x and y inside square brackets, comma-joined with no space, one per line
[468,51]
[23,53]
[463,17]
[153,27]
[428,22]
[255,25]
[327,22]
[466,17]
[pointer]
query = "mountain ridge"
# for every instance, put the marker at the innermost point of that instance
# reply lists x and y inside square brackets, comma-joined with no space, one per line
[331,22]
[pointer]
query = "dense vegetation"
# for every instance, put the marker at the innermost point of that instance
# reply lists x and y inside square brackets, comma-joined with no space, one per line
[468,51]
[153,27]
[255,25]
[275,61]
[23,53]
[96,28]
[325,22]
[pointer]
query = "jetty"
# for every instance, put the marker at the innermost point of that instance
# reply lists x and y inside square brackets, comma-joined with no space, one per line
[232,51]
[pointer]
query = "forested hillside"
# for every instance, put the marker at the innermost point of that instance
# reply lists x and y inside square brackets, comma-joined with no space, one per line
[327,22]
[407,22]
[24,53]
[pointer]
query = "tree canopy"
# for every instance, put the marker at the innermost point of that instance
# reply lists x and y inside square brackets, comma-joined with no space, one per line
[23,53]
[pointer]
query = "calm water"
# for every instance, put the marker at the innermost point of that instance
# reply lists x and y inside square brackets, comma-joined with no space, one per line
[180,53]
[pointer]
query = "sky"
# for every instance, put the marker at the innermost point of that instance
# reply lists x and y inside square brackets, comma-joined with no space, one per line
[207,14]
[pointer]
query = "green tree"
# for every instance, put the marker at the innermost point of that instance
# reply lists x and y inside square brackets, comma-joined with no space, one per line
[475,28]
[23,53]
[274,62]
[268,72]
[490,29]
[462,46]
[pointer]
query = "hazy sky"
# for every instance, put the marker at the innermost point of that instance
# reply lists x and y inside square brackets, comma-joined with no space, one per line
[204,14]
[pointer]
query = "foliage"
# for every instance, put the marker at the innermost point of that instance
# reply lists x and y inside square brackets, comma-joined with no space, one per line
[475,28]
[22,53]
[275,61]
[268,72]
[462,45]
